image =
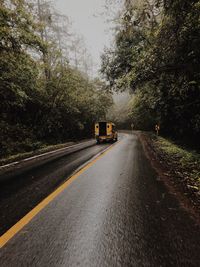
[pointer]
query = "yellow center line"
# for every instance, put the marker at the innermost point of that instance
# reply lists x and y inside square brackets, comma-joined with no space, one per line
[29,216]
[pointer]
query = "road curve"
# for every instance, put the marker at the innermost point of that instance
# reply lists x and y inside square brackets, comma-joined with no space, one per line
[115,213]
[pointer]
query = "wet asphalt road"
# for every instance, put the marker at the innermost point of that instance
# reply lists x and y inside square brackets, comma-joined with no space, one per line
[22,192]
[116,213]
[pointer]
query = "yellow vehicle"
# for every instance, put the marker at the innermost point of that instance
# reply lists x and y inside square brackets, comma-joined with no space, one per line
[105,131]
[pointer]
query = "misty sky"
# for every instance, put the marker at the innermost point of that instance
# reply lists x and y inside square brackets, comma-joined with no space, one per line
[88,20]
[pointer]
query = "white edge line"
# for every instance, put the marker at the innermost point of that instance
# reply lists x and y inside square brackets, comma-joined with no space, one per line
[41,155]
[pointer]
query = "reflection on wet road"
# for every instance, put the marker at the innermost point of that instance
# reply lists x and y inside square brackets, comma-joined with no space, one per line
[115,213]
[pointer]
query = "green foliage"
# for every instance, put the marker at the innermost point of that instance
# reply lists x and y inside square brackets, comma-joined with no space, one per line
[43,99]
[142,112]
[119,111]
[188,161]
[158,56]
[17,30]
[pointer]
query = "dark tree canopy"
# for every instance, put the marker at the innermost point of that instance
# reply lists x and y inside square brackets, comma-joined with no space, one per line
[157,56]
[43,98]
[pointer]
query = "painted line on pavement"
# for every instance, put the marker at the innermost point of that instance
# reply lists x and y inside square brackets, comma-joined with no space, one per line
[44,154]
[29,216]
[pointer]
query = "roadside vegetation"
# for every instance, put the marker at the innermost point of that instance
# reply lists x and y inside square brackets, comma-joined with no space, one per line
[23,155]
[183,161]
[156,56]
[177,166]
[46,94]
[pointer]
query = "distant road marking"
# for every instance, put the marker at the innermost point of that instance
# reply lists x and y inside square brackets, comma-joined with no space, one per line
[44,154]
[29,216]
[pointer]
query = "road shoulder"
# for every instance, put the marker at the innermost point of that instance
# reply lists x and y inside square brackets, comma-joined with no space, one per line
[49,148]
[17,167]
[177,178]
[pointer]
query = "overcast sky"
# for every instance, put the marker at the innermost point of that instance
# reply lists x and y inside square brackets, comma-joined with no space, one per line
[88,21]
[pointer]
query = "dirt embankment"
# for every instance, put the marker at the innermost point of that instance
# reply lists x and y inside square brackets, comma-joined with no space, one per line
[178,177]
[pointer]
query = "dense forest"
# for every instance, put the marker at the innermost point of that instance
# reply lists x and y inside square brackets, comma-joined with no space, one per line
[48,97]
[157,57]
[46,94]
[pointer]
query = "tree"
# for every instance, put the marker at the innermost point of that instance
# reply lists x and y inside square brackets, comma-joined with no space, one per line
[157,54]
[44,98]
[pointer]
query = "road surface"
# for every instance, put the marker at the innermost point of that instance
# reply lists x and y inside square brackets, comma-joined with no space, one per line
[113,212]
